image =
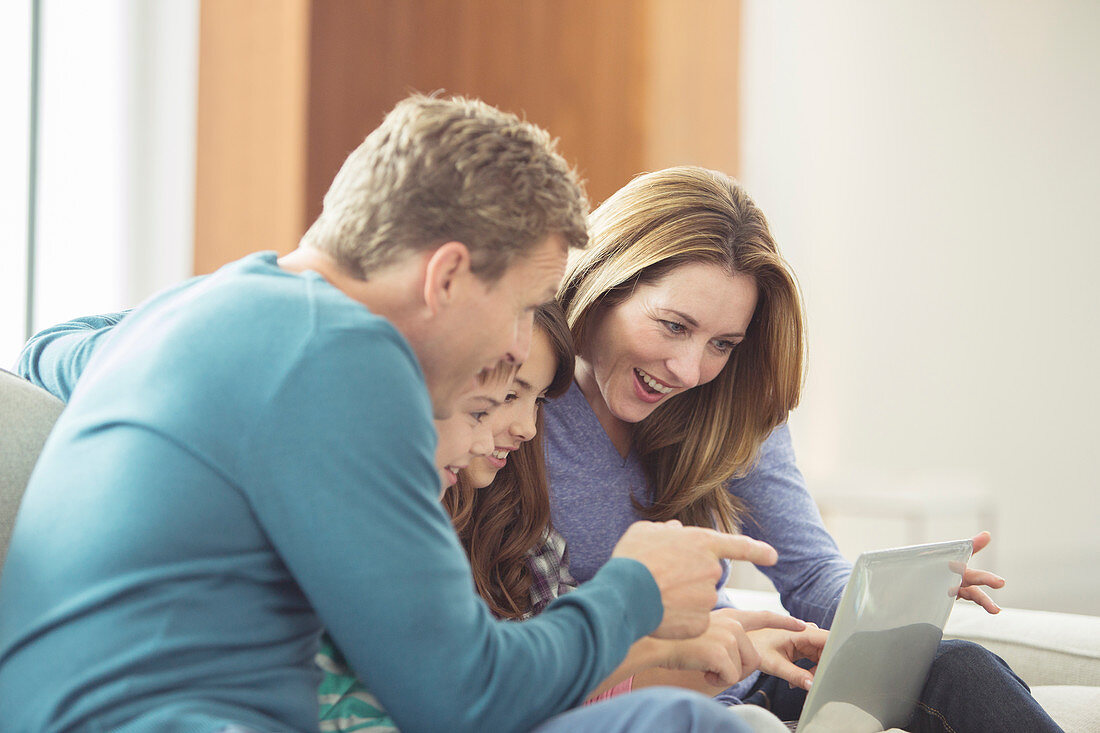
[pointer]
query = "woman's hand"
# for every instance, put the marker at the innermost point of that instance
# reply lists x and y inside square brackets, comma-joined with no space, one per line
[972,578]
[779,650]
[725,652]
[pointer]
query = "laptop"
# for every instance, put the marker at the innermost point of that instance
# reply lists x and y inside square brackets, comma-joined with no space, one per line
[884,636]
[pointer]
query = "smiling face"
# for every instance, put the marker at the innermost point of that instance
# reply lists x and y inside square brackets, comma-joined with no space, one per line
[467,434]
[513,423]
[666,338]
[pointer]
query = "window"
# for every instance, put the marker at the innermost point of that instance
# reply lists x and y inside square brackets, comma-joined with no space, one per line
[115,125]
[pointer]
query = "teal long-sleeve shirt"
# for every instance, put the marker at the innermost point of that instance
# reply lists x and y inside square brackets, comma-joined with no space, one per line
[246,459]
[55,358]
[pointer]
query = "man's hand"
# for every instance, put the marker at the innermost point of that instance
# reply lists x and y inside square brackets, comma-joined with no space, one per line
[684,563]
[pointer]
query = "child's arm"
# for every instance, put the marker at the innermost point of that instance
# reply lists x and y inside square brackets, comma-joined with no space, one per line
[55,358]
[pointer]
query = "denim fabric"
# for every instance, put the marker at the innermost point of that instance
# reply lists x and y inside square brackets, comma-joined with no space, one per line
[972,689]
[652,710]
[969,690]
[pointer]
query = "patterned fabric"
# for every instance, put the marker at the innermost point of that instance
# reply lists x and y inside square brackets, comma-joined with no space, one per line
[346,705]
[620,689]
[549,563]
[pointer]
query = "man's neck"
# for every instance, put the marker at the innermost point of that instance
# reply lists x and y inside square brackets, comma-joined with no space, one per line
[394,296]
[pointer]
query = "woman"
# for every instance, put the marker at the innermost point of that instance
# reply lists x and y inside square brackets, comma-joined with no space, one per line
[689,333]
[501,510]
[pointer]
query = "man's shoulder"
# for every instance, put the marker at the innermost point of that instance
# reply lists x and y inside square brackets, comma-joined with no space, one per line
[254,306]
[235,337]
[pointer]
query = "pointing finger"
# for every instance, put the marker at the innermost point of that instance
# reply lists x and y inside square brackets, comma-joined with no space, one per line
[753,620]
[740,547]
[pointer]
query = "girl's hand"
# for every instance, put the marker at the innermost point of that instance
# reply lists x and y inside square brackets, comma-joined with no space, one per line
[971,579]
[724,652]
[779,650]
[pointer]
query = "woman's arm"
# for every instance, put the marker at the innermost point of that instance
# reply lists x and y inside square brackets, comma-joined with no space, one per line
[811,573]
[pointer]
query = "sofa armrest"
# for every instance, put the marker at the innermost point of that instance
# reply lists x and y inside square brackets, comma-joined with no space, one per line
[1043,647]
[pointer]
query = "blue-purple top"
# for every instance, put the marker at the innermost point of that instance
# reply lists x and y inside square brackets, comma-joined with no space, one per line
[591,486]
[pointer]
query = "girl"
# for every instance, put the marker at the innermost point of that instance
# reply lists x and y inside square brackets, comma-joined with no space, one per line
[345,703]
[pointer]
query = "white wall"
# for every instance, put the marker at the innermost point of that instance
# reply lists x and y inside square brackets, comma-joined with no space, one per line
[932,170]
[116,158]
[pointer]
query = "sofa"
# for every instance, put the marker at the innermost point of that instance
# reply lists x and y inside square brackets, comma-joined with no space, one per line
[26,415]
[1057,654]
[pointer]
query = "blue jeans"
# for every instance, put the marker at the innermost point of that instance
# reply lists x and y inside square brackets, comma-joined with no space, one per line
[651,710]
[968,689]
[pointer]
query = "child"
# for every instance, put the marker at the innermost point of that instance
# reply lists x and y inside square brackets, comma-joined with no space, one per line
[345,703]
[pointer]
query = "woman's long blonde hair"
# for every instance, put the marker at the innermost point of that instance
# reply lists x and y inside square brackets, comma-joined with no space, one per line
[691,445]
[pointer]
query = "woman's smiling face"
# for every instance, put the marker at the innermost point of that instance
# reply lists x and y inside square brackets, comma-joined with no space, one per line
[513,423]
[668,337]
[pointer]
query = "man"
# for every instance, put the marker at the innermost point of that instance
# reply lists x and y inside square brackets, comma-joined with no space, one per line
[247,458]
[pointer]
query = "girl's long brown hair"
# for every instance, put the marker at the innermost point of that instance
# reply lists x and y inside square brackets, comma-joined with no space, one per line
[500,524]
[691,445]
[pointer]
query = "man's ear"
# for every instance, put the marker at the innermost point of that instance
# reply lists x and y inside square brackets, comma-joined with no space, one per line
[447,273]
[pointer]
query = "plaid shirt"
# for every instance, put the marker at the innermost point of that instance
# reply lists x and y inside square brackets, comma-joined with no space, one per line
[549,563]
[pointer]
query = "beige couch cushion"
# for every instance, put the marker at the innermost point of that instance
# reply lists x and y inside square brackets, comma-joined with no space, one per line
[26,413]
[1044,648]
[1056,654]
[1075,708]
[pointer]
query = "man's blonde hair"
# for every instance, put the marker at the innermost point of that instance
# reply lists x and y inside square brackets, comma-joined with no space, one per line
[439,170]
